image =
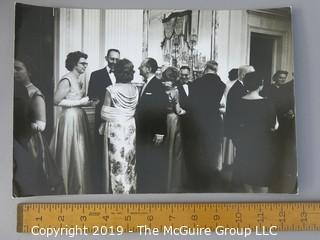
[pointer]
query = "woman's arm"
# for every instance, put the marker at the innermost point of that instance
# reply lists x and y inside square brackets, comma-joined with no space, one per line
[62,91]
[75,103]
[179,110]
[38,107]
[107,99]
[106,103]
[175,101]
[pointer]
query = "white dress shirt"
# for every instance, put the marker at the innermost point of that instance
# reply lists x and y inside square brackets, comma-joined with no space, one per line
[111,75]
[186,88]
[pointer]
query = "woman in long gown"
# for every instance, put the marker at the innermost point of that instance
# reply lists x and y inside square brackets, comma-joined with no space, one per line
[176,169]
[119,131]
[282,95]
[254,166]
[71,143]
[45,175]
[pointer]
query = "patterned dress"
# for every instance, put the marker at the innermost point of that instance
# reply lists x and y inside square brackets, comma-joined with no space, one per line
[120,139]
[71,144]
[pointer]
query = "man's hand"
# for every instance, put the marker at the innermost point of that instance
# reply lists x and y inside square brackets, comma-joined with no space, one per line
[158,139]
[102,128]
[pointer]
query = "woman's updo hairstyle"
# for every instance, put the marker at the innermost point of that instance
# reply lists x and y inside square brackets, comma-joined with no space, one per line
[252,81]
[123,71]
[171,74]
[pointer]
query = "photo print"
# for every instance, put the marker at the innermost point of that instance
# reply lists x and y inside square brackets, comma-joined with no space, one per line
[123,101]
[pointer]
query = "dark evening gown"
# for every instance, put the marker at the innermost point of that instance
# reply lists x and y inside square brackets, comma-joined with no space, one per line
[255,159]
[44,167]
[283,99]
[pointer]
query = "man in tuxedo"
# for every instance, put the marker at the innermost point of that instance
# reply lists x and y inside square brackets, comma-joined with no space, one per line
[184,87]
[207,130]
[151,113]
[99,81]
[184,90]
[186,137]
[235,93]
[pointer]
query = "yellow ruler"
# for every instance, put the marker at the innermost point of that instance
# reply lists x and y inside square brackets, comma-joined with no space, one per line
[167,218]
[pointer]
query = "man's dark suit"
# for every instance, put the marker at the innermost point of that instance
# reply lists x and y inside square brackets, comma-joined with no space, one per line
[184,119]
[151,114]
[186,136]
[99,81]
[207,130]
[231,118]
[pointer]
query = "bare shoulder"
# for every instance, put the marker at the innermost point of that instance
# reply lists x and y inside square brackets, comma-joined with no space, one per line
[65,80]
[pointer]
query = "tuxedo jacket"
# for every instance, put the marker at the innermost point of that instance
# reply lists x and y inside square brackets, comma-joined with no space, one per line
[183,97]
[99,81]
[232,114]
[151,112]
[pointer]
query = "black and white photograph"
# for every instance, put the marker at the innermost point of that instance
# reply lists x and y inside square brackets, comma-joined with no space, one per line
[137,101]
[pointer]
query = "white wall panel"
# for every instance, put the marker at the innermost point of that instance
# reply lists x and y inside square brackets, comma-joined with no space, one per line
[124,31]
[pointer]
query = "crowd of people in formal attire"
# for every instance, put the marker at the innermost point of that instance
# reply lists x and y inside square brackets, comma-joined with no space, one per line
[172,134]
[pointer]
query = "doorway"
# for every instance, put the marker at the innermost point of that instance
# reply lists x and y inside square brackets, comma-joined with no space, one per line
[34,32]
[262,54]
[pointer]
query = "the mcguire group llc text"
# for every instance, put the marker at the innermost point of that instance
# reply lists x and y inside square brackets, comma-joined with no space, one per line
[145,230]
